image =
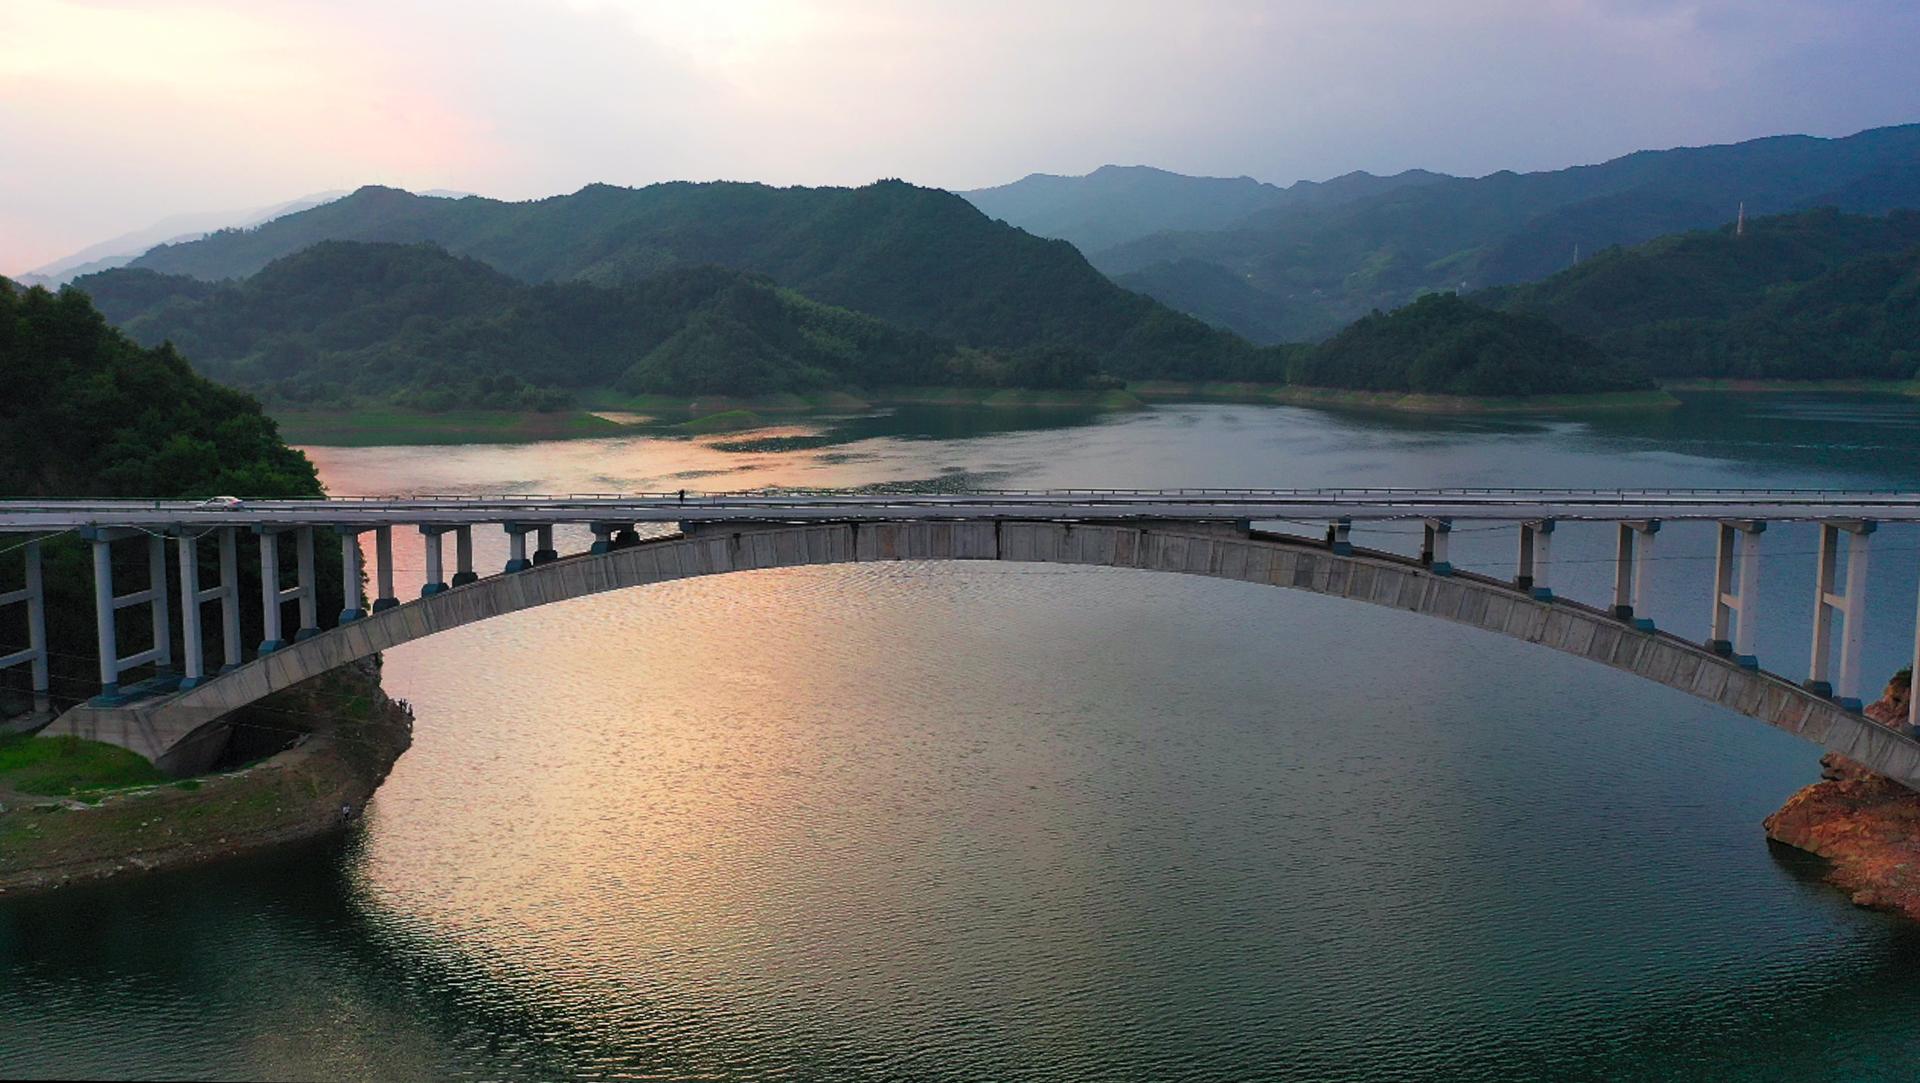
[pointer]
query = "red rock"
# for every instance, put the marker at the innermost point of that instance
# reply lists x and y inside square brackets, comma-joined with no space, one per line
[1867,827]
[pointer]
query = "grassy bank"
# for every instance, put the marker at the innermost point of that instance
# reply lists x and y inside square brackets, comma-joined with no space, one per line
[78,810]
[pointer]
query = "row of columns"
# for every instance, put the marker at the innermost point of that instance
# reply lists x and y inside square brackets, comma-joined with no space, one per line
[1734,617]
[1736,582]
[33,595]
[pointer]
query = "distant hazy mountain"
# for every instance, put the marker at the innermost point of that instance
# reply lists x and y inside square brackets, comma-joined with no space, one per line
[1116,204]
[918,258]
[178,229]
[1302,270]
[1813,295]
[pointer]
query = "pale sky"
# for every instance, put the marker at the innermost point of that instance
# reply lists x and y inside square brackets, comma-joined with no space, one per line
[117,113]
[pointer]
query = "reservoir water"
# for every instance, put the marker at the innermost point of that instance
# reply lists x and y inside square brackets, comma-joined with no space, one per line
[1035,823]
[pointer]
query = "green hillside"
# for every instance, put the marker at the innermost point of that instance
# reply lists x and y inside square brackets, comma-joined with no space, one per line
[1814,295]
[1312,269]
[1444,345]
[344,322]
[109,418]
[918,258]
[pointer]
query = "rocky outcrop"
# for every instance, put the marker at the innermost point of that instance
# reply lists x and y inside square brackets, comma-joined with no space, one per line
[1866,826]
[337,736]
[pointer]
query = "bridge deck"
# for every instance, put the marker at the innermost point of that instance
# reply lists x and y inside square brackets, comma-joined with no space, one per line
[1188,505]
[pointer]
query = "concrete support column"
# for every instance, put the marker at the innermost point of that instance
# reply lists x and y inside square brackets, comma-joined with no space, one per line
[463,572]
[36,599]
[350,574]
[108,640]
[1850,602]
[32,594]
[270,640]
[546,553]
[158,607]
[436,577]
[230,596]
[1913,675]
[193,664]
[1340,536]
[1433,546]
[1535,559]
[309,596]
[1633,571]
[517,548]
[1736,591]
[384,598]
[602,537]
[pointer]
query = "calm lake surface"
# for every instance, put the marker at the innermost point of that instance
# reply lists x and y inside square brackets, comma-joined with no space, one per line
[999,823]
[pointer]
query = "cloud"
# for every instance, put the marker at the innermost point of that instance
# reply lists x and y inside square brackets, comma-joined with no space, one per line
[113,114]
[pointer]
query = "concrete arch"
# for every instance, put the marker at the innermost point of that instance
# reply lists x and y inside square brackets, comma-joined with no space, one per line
[184,730]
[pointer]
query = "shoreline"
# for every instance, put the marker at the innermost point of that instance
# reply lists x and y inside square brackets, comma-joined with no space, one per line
[662,415]
[313,787]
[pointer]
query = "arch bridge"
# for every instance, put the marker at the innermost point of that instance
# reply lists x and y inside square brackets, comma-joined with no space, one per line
[174,714]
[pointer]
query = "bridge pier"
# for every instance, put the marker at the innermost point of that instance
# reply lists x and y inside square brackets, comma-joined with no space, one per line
[1340,536]
[32,594]
[304,590]
[1736,601]
[1633,571]
[383,558]
[1536,559]
[546,553]
[192,597]
[516,547]
[1842,684]
[463,572]
[1433,546]
[270,596]
[436,576]
[350,573]
[106,604]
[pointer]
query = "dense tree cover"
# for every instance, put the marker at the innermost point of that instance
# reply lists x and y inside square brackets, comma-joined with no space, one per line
[921,259]
[1312,268]
[1116,204]
[1442,344]
[89,413]
[342,322]
[1815,295]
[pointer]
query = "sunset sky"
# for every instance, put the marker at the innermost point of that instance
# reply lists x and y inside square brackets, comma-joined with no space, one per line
[117,113]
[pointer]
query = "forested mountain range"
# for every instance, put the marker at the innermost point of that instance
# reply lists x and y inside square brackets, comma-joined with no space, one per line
[1301,270]
[1813,295]
[921,259]
[1116,204]
[345,321]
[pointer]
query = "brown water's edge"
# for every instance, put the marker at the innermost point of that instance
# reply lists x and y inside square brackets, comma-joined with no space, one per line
[346,733]
[1865,826]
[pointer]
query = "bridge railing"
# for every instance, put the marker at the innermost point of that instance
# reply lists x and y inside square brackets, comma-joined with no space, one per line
[1846,521]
